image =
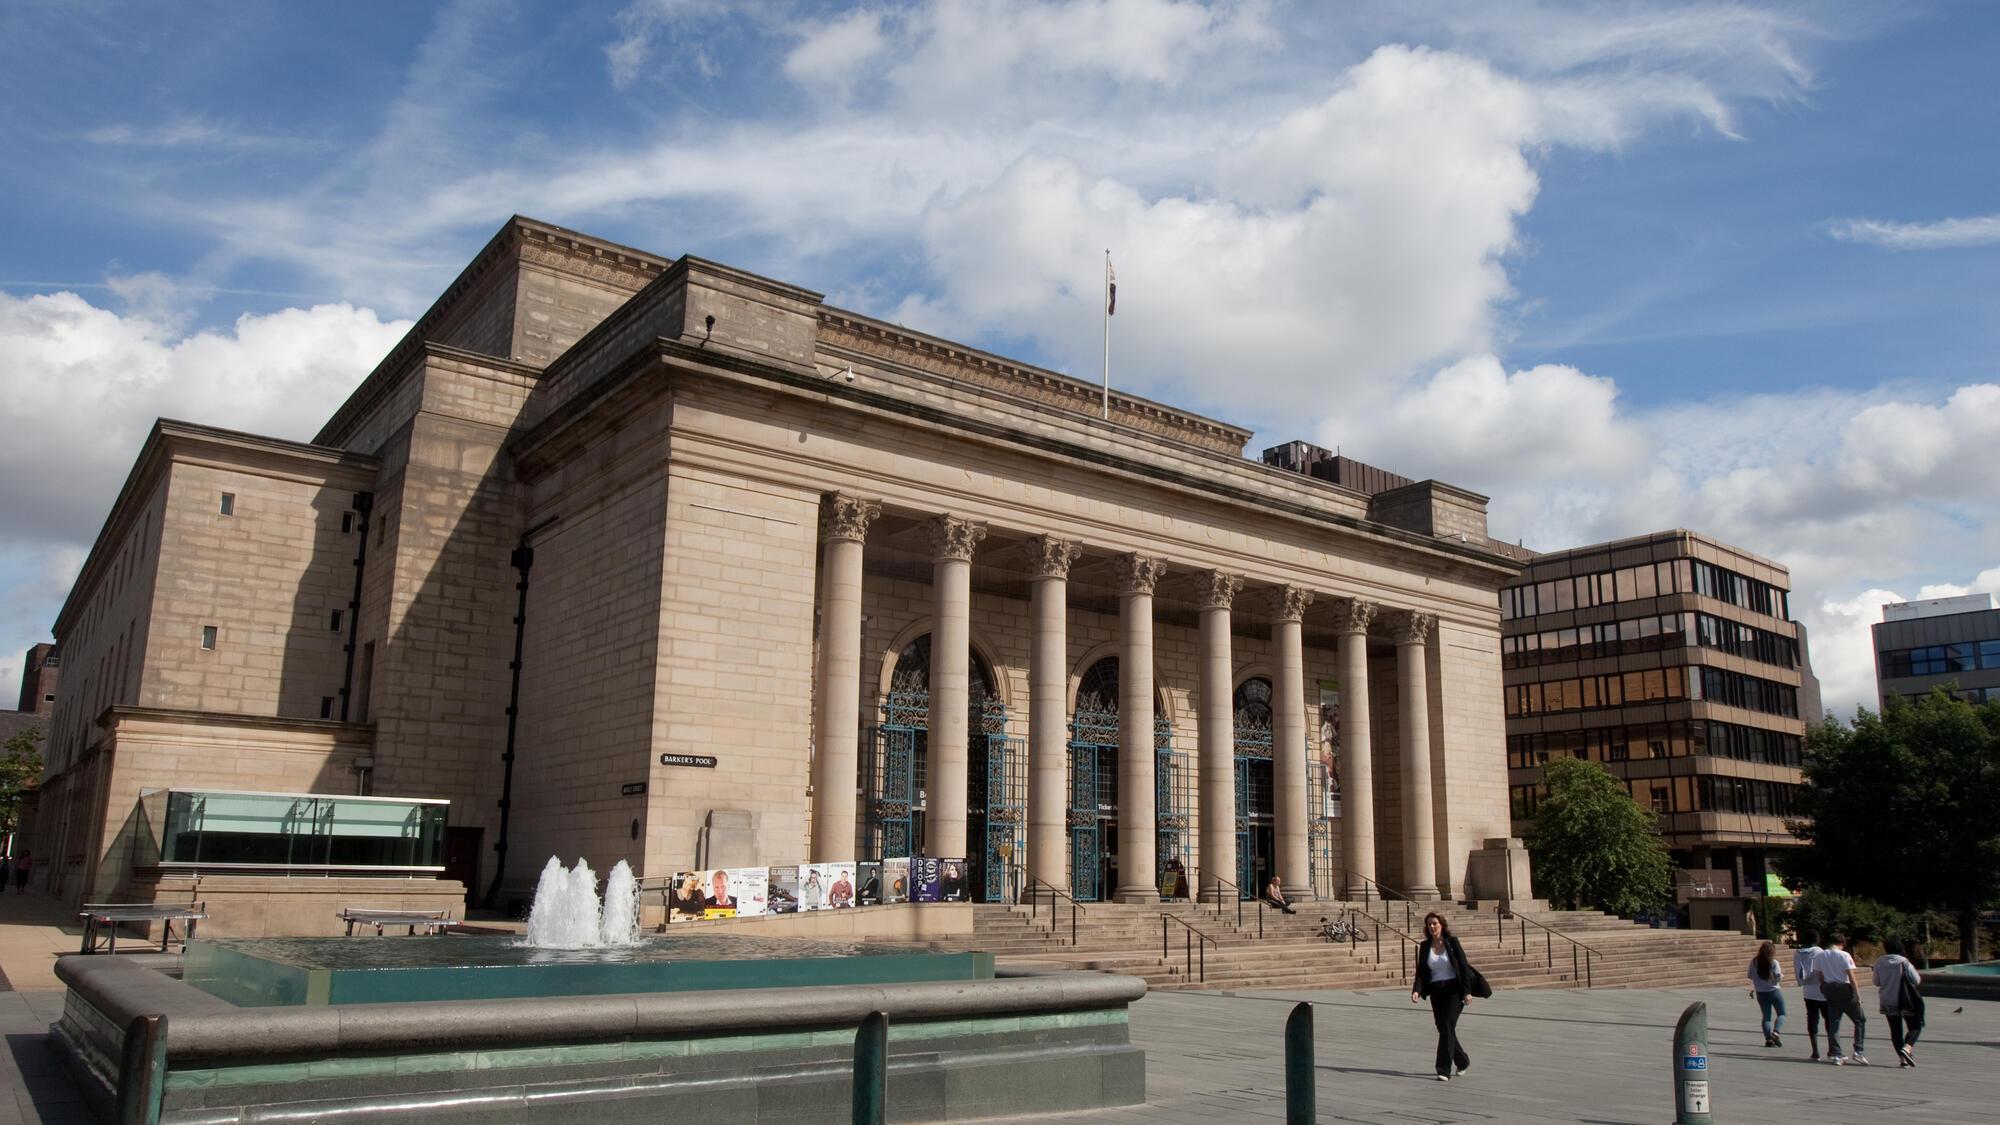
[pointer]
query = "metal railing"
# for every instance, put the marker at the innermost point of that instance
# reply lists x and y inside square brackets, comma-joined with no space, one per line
[1355,916]
[1218,882]
[1581,956]
[1409,904]
[1035,904]
[1190,944]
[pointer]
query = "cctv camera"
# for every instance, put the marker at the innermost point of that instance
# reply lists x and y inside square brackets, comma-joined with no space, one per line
[850,374]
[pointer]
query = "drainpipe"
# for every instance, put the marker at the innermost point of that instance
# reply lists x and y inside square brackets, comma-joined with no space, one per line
[364,502]
[523,560]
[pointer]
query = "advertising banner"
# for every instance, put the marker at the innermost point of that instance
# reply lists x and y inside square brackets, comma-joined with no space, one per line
[750,888]
[686,900]
[781,891]
[896,879]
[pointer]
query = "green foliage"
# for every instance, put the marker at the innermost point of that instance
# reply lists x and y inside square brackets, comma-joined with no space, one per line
[1594,847]
[20,768]
[1772,915]
[1899,808]
[1827,913]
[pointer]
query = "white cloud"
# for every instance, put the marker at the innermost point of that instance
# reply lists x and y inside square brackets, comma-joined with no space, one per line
[834,57]
[83,385]
[1944,234]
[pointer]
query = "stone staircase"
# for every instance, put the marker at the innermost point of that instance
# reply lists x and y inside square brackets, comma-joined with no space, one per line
[1278,951]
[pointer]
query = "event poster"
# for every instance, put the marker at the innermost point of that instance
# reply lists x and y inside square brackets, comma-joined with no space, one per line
[1329,747]
[749,888]
[781,891]
[896,879]
[685,899]
[868,883]
[812,886]
[937,880]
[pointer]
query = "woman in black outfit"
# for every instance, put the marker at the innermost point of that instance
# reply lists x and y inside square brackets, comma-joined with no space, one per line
[1442,978]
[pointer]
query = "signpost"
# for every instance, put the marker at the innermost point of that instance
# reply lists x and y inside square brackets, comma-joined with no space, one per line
[1691,1067]
[704,761]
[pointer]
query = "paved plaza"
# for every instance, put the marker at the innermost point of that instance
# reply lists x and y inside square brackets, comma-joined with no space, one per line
[1592,1057]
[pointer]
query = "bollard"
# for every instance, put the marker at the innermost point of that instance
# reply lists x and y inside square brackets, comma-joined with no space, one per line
[871,1066]
[1691,1067]
[142,1074]
[1301,1082]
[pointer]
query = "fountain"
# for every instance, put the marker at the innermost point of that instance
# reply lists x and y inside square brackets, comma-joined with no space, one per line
[567,914]
[586,1017]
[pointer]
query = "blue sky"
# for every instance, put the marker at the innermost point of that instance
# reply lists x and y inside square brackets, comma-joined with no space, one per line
[1620,266]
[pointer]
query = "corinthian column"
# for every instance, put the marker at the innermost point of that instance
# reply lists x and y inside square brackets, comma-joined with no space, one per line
[952,541]
[843,526]
[1288,739]
[1138,875]
[1413,629]
[1217,732]
[1049,560]
[1357,764]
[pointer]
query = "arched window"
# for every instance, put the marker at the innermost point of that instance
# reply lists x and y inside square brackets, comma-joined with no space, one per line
[1098,689]
[1252,703]
[913,674]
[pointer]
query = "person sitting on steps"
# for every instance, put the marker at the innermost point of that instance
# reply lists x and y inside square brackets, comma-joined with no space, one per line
[1274,895]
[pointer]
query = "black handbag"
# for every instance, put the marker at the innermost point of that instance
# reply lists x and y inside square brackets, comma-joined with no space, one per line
[1476,984]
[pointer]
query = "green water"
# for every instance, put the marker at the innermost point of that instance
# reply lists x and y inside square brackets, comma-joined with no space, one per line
[284,971]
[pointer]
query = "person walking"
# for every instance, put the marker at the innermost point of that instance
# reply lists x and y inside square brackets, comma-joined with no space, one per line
[1445,979]
[1766,977]
[1835,970]
[1802,971]
[1902,1004]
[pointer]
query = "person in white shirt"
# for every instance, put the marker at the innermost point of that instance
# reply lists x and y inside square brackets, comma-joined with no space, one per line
[1902,1004]
[1802,967]
[1835,970]
[1766,975]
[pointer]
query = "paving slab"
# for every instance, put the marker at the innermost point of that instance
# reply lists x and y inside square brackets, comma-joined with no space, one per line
[1595,1057]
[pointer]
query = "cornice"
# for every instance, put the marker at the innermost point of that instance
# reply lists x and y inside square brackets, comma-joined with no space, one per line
[916,353]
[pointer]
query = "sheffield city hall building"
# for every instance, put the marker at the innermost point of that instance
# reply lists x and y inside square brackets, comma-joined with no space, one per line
[626,557]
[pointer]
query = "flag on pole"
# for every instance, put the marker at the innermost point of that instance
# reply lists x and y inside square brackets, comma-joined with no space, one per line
[1110,287]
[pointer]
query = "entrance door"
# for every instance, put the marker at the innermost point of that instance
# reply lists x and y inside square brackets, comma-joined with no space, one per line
[461,858]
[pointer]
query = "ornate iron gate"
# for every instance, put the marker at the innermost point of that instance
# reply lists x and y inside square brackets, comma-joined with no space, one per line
[894,777]
[1253,796]
[999,800]
[1173,802]
[1322,826]
[1093,793]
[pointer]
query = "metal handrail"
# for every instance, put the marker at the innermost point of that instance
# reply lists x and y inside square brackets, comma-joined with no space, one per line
[1380,924]
[1220,883]
[1190,944]
[1055,892]
[1578,952]
[1388,893]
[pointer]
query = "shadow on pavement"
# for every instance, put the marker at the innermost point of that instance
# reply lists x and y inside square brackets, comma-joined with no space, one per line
[43,1083]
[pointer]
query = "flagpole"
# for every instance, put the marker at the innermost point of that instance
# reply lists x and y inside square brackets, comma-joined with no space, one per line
[1105,306]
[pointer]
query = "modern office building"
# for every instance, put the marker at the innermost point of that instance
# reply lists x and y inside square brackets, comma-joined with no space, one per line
[629,557]
[1670,659]
[1951,643]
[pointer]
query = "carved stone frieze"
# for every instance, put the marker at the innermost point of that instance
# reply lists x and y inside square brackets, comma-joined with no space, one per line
[1288,603]
[1215,589]
[842,516]
[1352,615]
[953,537]
[1050,557]
[1138,574]
[1413,628]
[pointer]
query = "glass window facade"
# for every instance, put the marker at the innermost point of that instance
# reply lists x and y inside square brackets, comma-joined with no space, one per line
[220,829]
[1941,660]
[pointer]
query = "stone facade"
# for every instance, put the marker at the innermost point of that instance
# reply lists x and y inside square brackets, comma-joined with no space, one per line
[713,516]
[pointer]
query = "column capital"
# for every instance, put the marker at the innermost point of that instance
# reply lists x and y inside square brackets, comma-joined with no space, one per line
[1050,556]
[846,516]
[1412,627]
[953,537]
[1216,589]
[1138,574]
[1352,615]
[1288,603]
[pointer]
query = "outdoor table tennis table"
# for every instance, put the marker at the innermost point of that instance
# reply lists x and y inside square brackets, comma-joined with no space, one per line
[101,920]
[431,922]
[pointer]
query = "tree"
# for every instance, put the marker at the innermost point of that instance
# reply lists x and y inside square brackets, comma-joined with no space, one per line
[20,768]
[1899,808]
[1593,846]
